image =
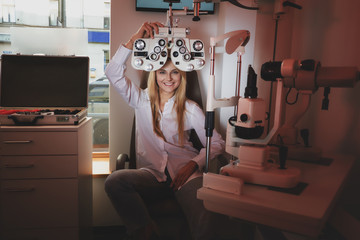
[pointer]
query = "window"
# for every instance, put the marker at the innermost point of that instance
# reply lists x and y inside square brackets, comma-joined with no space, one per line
[64,27]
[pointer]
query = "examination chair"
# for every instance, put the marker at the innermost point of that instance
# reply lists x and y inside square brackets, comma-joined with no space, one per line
[167,213]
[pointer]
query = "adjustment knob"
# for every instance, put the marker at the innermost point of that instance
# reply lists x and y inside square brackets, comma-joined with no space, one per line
[153,57]
[138,62]
[175,54]
[198,45]
[244,117]
[157,49]
[182,50]
[187,57]
[200,62]
[179,42]
[190,67]
[161,42]
[163,54]
[140,44]
[149,67]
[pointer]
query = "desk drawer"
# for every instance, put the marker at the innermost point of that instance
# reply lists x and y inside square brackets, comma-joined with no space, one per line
[27,167]
[38,143]
[39,203]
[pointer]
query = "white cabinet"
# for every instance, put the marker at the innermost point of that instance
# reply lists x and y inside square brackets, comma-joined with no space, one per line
[46,182]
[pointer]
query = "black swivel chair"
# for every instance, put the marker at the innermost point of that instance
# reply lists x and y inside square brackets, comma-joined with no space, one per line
[167,213]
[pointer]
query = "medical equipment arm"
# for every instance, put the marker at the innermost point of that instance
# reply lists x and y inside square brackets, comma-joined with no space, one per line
[236,43]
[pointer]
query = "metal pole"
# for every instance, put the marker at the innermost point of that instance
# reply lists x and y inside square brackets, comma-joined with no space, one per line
[61,13]
[210,115]
[238,79]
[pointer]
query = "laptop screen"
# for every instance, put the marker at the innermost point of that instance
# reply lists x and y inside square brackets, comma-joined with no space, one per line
[44,81]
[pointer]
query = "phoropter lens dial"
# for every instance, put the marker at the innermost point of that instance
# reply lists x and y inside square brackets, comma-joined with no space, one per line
[157,49]
[198,45]
[140,44]
[182,50]
[161,42]
[187,57]
[163,53]
[176,54]
[179,42]
[153,57]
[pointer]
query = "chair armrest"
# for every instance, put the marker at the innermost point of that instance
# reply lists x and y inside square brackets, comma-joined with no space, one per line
[121,160]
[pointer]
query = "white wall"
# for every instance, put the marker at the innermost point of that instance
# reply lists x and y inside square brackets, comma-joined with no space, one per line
[329,31]
[232,18]
[326,31]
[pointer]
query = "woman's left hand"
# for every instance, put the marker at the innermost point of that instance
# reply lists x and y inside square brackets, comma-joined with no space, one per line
[183,175]
[147,30]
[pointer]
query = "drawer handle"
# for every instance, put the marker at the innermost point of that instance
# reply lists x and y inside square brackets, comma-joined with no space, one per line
[19,189]
[18,142]
[30,165]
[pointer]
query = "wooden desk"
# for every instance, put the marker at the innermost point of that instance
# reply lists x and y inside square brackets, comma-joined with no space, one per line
[303,214]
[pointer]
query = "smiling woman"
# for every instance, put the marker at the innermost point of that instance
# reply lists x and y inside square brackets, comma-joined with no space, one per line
[163,84]
[168,79]
[167,163]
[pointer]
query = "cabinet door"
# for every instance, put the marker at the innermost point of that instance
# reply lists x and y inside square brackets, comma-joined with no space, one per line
[38,143]
[39,203]
[27,167]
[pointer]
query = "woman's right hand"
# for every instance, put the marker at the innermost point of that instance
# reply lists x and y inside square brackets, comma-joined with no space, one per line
[146,30]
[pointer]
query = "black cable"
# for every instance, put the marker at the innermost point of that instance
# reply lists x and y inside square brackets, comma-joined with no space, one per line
[233,118]
[291,4]
[236,3]
[275,37]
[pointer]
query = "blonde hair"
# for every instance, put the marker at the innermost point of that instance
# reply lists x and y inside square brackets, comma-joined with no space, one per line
[180,99]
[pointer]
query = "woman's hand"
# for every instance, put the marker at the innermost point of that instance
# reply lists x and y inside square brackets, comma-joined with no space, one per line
[183,175]
[146,30]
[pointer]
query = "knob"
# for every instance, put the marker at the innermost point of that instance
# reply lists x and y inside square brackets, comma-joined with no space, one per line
[179,42]
[187,57]
[244,117]
[190,67]
[198,45]
[157,49]
[149,67]
[175,54]
[138,62]
[140,44]
[200,62]
[162,42]
[182,50]
[153,57]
